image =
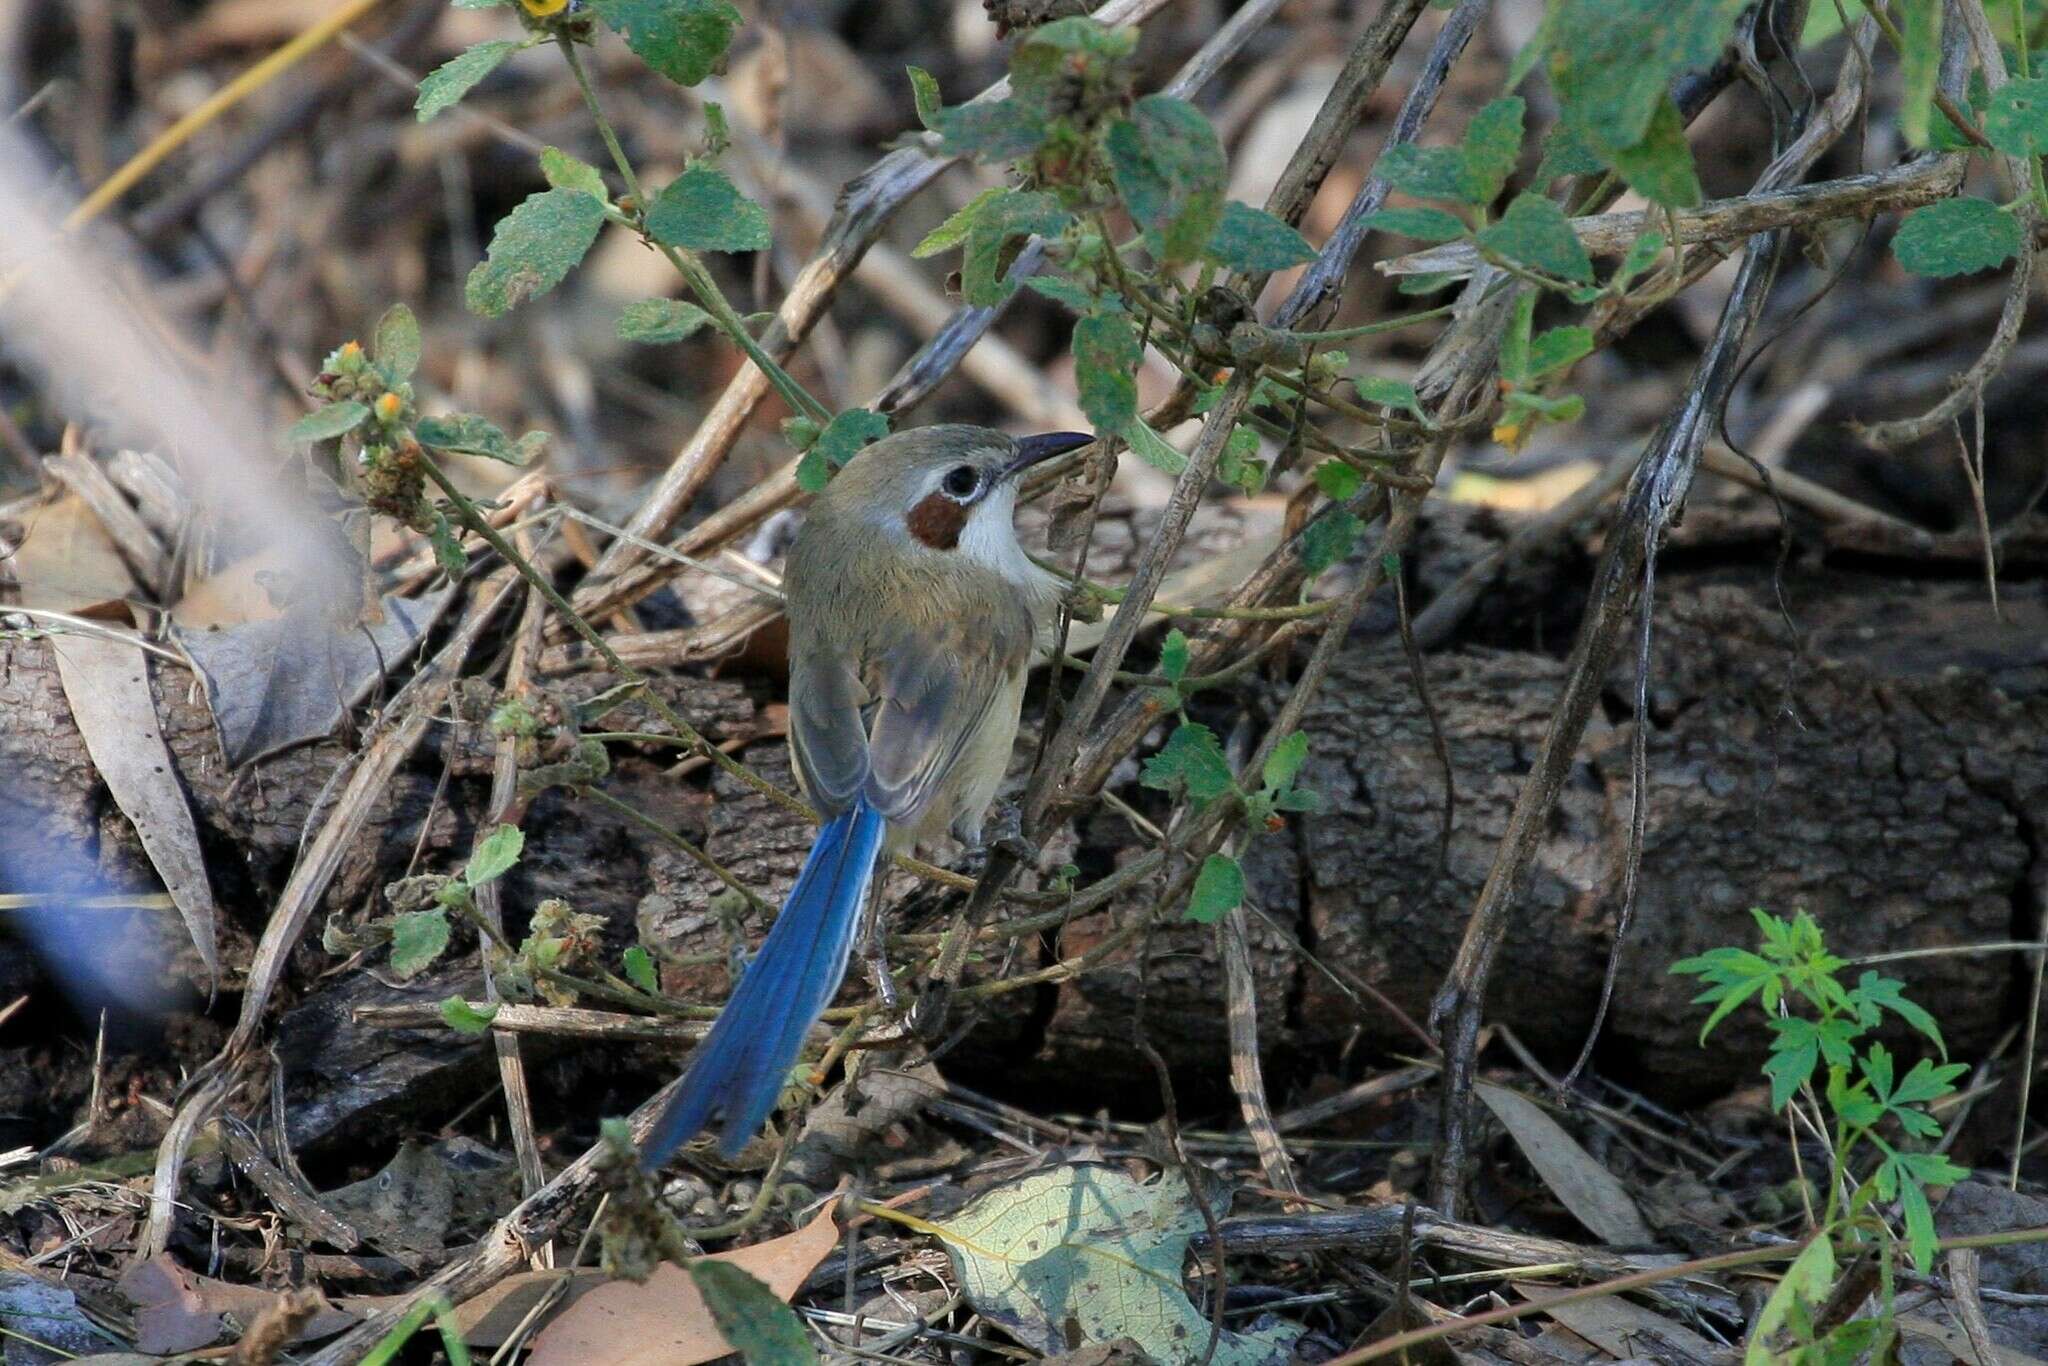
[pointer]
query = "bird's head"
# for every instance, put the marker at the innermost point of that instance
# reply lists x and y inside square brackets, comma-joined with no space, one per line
[947,487]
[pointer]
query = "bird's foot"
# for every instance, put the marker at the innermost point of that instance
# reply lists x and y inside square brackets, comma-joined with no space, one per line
[1003,829]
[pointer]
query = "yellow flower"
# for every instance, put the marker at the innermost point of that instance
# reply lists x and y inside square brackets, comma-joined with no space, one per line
[541,9]
[387,406]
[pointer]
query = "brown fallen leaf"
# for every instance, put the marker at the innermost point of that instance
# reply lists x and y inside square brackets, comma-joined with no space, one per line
[1626,1329]
[106,683]
[177,1310]
[665,1322]
[65,561]
[1593,1194]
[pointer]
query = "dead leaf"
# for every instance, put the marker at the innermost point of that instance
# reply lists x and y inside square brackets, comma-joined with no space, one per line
[1957,1343]
[491,1318]
[665,1321]
[66,562]
[1591,1192]
[132,536]
[1626,1329]
[180,1311]
[405,1208]
[278,681]
[106,683]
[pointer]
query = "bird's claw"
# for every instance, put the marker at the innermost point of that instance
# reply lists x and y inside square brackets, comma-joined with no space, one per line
[1004,830]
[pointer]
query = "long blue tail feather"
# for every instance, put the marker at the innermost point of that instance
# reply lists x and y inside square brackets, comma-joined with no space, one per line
[739,1069]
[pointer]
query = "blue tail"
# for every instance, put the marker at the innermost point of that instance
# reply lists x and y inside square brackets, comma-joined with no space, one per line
[739,1069]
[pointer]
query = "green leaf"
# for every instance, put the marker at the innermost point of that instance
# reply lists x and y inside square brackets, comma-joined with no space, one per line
[2016,118]
[469,434]
[639,964]
[1956,236]
[1642,254]
[1807,1280]
[1286,760]
[417,939]
[533,248]
[760,1327]
[1390,393]
[845,434]
[1431,173]
[327,423]
[812,473]
[1920,68]
[1219,890]
[1337,480]
[1920,1235]
[1429,281]
[448,552]
[958,224]
[994,130]
[1789,1066]
[1152,448]
[444,86]
[1191,757]
[464,1018]
[1565,153]
[1012,215]
[702,210]
[1492,145]
[1612,61]
[924,92]
[1555,349]
[397,344]
[1173,655]
[1106,358]
[565,172]
[654,321]
[1514,340]
[682,39]
[1061,291]
[1250,240]
[1328,539]
[1169,167]
[1659,166]
[1927,1081]
[494,855]
[1239,465]
[1067,64]
[1429,225]
[1535,233]
[1879,992]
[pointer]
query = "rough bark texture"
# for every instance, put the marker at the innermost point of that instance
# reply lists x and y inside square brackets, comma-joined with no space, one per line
[1889,774]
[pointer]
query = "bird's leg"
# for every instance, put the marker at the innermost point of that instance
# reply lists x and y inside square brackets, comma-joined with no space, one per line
[1001,828]
[873,953]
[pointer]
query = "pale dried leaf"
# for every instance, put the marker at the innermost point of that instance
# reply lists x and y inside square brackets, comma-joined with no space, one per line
[665,1321]
[177,1310]
[1591,1192]
[1626,1329]
[106,683]
[65,561]
[1956,1342]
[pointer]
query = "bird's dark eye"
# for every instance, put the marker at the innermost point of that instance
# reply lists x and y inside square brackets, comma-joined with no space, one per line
[961,481]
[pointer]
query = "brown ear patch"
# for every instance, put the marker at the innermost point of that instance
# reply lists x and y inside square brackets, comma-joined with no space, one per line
[936,521]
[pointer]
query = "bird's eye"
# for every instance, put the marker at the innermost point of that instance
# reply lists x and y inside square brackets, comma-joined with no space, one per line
[961,481]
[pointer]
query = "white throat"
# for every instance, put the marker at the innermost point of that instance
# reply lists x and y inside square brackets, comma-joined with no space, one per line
[990,540]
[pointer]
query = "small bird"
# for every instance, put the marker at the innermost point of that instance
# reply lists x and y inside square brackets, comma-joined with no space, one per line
[912,616]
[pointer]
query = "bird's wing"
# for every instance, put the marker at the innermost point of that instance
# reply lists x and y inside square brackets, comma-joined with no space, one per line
[826,735]
[933,690]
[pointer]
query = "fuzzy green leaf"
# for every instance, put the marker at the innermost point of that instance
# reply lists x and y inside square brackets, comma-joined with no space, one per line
[812,473]
[1492,145]
[1191,757]
[1957,237]
[1152,448]
[1390,393]
[1920,68]
[494,855]
[1169,167]
[1659,166]
[1285,762]
[655,321]
[417,939]
[994,130]
[1535,233]
[1428,225]
[2016,116]
[1612,61]
[533,248]
[682,39]
[565,172]
[1173,655]
[760,1327]
[958,224]
[845,434]
[1106,358]
[1250,240]
[397,345]
[1337,480]
[1328,539]
[444,86]
[1553,350]
[639,965]
[472,435]
[1014,214]
[464,1018]
[1565,153]
[924,93]
[702,210]
[324,424]
[1219,890]
[1431,173]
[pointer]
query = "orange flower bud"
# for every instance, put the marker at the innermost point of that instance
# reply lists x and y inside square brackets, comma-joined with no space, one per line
[388,406]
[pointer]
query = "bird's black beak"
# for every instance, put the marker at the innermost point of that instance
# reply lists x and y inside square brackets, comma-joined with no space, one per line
[1032,449]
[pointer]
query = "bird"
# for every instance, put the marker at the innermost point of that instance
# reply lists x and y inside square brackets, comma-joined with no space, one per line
[913,612]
